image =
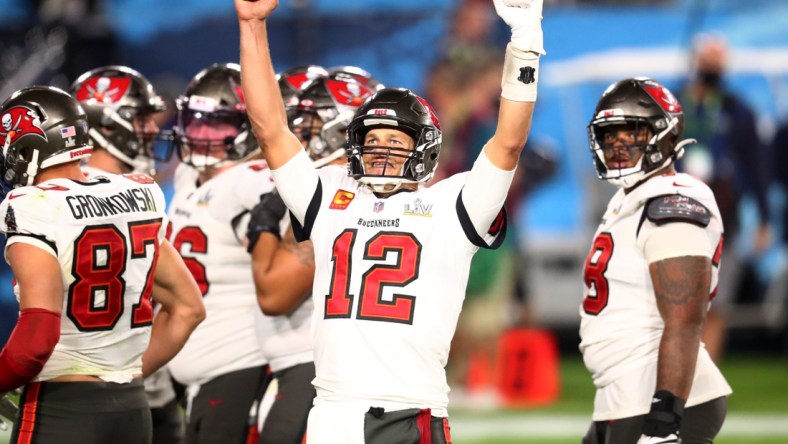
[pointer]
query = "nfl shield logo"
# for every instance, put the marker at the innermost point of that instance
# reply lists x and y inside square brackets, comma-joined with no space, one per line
[378,207]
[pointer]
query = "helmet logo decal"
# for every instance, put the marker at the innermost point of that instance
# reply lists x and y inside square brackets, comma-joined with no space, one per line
[347,93]
[382,112]
[202,103]
[433,116]
[239,92]
[610,113]
[107,90]
[19,121]
[297,80]
[664,97]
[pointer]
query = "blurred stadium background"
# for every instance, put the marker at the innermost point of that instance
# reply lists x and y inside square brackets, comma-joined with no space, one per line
[590,43]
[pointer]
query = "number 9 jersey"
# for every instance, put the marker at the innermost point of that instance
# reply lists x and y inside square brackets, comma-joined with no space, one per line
[621,326]
[105,233]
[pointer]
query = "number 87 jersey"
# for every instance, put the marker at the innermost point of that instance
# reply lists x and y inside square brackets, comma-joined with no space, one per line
[105,234]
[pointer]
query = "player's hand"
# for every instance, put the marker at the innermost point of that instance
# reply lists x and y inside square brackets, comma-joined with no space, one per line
[525,19]
[250,10]
[265,218]
[663,419]
[670,439]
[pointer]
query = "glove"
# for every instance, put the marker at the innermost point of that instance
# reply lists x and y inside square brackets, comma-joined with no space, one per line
[525,19]
[663,420]
[265,217]
[670,439]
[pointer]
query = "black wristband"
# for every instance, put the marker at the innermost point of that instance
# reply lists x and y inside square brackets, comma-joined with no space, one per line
[665,415]
[254,235]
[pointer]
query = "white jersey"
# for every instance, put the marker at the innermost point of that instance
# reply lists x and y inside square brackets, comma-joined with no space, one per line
[105,234]
[621,326]
[385,268]
[208,229]
[288,339]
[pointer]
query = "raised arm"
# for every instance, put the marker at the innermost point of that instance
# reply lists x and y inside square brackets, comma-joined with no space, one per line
[181,309]
[261,91]
[520,77]
[491,177]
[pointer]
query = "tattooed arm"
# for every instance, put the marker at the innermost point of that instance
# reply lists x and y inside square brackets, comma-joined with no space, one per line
[681,287]
[283,272]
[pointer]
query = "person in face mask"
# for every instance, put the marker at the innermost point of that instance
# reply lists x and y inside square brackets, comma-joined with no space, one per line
[731,159]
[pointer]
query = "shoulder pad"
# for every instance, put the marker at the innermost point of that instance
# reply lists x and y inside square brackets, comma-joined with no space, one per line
[677,208]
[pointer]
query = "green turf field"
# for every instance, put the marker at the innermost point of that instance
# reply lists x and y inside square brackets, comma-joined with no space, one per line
[757,411]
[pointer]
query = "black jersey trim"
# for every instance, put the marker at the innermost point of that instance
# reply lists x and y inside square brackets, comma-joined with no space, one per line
[470,230]
[51,244]
[304,232]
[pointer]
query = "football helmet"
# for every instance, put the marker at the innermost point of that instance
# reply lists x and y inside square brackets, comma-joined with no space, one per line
[113,97]
[403,110]
[214,99]
[40,127]
[325,109]
[637,103]
[359,74]
[292,81]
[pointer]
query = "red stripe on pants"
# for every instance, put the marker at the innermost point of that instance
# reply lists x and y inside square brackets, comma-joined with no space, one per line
[27,421]
[446,430]
[423,424]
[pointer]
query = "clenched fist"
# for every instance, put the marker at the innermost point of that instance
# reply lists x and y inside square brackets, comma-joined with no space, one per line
[255,9]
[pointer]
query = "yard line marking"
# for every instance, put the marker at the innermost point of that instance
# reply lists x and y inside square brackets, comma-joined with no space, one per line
[465,426]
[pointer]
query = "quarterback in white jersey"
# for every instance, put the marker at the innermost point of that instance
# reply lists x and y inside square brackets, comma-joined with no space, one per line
[94,250]
[283,268]
[649,276]
[391,257]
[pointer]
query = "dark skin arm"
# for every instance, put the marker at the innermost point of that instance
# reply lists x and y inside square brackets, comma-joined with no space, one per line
[681,287]
[283,272]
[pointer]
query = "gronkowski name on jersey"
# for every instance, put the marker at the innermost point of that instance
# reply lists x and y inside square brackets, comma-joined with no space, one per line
[105,234]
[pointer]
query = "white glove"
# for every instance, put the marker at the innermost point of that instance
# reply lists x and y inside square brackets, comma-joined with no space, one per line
[525,19]
[670,439]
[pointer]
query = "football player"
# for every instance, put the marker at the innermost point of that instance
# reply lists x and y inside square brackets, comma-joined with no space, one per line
[649,277]
[86,254]
[222,364]
[284,270]
[391,256]
[121,105]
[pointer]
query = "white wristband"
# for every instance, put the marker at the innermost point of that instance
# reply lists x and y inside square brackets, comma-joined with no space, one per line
[520,75]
